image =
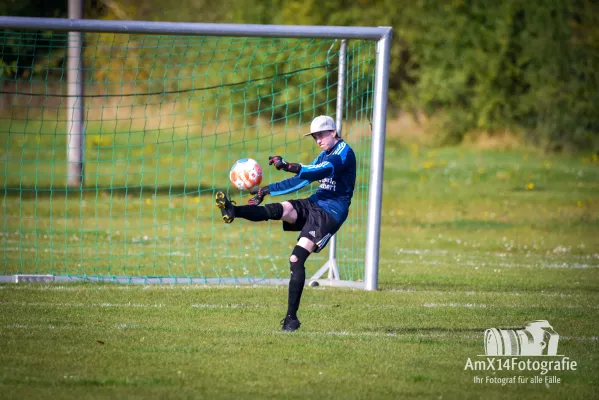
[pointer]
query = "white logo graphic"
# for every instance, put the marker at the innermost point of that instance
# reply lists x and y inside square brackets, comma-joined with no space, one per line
[328,184]
[518,350]
[536,339]
[313,233]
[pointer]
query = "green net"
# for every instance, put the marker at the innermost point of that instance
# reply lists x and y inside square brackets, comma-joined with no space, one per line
[165,119]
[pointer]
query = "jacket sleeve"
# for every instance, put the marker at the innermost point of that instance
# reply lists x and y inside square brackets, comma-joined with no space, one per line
[292,184]
[316,172]
[321,169]
[287,186]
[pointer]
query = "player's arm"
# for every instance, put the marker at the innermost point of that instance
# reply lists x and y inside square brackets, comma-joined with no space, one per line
[287,186]
[313,172]
[321,169]
[316,172]
[276,189]
[305,174]
[279,188]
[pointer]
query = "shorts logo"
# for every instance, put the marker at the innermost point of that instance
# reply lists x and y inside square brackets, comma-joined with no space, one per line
[313,233]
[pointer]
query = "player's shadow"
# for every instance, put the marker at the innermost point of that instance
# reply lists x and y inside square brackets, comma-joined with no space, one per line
[89,192]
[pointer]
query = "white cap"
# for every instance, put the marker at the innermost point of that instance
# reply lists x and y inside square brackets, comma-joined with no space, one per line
[322,123]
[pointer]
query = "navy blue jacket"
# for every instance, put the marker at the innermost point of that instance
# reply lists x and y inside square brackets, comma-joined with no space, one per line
[336,171]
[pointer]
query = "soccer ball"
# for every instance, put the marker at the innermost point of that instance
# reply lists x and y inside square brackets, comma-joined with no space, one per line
[245,174]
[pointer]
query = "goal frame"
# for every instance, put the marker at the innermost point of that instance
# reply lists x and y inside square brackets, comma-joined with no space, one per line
[382,35]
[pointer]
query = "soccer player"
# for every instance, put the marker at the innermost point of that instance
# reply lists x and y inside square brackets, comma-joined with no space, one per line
[318,217]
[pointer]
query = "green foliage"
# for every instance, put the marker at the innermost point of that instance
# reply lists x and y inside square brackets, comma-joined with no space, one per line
[34,8]
[486,66]
[482,66]
[31,54]
[37,53]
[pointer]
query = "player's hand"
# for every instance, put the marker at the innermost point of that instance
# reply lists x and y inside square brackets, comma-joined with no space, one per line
[278,162]
[259,193]
[281,164]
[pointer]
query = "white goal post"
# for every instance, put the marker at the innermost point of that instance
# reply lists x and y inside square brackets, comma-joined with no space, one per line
[380,35]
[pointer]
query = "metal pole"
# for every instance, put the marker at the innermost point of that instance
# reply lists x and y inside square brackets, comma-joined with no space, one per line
[333,270]
[192,28]
[377,162]
[75,123]
[341,85]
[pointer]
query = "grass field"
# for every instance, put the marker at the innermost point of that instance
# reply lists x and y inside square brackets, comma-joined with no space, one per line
[470,240]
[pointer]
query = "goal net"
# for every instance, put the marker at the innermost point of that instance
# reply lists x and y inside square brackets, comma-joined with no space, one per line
[165,117]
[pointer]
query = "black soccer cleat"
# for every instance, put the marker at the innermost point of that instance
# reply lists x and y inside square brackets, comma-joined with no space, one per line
[226,206]
[290,324]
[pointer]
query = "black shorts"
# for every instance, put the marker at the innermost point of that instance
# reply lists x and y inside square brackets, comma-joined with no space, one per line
[313,222]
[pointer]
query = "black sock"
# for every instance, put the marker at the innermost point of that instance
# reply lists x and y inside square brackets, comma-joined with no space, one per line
[297,281]
[259,213]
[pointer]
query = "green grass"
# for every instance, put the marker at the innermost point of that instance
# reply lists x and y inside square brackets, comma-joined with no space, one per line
[193,341]
[470,240]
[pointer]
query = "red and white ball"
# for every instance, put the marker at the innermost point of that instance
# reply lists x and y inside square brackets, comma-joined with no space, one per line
[245,174]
